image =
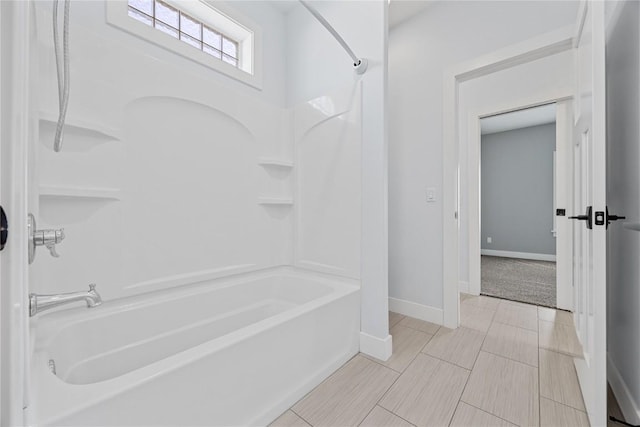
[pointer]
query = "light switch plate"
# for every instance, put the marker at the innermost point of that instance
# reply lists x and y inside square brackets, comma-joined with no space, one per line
[431,194]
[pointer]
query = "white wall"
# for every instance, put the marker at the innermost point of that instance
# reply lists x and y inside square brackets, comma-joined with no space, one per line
[623,198]
[420,50]
[317,65]
[158,181]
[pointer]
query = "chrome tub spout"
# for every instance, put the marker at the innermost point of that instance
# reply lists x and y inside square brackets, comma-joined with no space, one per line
[38,303]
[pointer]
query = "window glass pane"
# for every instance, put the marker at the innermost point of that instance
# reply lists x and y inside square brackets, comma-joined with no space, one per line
[190,40]
[145,6]
[229,47]
[230,60]
[212,38]
[167,14]
[189,26]
[140,17]
[167,29]
[211,51]
[174,22]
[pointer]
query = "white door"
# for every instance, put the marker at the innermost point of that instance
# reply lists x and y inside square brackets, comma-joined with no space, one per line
[590,256]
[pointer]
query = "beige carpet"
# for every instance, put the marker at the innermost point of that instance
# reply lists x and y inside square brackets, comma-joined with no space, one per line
[533,282]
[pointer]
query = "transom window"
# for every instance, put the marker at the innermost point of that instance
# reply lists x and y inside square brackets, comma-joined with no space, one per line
[177,24]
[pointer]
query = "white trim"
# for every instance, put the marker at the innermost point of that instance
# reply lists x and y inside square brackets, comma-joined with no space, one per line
[17,122]
[463,287]
[564,200]
[418,311]
[376,347]
[519,255]
[527,51]
[117,16]
[628,407]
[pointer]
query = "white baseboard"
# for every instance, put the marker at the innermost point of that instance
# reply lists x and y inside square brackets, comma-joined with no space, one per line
[376,347]
[419,311]
[520,255]
[463,287]
[628,407]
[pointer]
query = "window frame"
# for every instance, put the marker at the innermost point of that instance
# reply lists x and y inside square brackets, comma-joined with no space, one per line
[249,50]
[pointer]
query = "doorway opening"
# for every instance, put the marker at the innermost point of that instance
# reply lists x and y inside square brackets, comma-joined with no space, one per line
[518,182]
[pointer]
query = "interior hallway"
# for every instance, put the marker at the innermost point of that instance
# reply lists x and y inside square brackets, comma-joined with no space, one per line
[508,364]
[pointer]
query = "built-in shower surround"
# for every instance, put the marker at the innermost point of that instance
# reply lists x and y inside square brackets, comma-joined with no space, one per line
[169,176]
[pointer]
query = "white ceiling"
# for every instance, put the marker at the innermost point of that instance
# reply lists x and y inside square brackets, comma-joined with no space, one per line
[519,119]
[284,6]
[401,10]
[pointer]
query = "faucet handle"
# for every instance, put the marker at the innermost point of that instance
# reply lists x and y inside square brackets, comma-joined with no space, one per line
[52,250]
[92,287]
[50,238]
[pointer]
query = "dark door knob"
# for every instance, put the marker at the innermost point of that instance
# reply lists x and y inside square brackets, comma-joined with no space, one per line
[613,218]
[586,217]
[4,228]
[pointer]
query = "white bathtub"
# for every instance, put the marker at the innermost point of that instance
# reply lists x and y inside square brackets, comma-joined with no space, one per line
[222,353]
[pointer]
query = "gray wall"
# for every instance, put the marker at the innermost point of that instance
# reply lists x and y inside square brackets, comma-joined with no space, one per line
[623,197]
[517,190]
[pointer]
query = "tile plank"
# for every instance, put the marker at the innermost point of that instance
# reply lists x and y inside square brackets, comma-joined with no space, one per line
[427,393]
[554,414]
[559,380]
[557,316]
[348,395]
[394,318]
[468,416]
[458,346]
[380,417]
[504,388]
[513,343]
[420,325]
[482,301]
[477,318]
[289,419]
[560,338]
[517,314]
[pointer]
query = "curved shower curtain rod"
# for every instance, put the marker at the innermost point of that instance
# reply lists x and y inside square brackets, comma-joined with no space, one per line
[359,64]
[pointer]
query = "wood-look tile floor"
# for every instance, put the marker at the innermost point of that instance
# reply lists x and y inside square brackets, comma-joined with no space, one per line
[508,364]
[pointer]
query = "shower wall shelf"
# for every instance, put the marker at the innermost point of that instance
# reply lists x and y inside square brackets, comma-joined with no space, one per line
[95,193]
[100,129]
[282,201]
[273,162]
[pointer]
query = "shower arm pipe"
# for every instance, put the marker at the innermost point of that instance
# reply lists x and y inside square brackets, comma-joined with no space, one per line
[359,64]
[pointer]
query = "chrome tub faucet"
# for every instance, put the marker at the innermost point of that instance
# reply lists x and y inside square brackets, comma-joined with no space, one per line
[38,303]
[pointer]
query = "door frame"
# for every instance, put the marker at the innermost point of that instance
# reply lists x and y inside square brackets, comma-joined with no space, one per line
[562,190]
[16,128]
[530,50]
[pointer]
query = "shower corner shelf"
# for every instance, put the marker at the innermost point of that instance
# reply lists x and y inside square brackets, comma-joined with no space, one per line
[75,193]
[86,125]
[275,201]
[274,162]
